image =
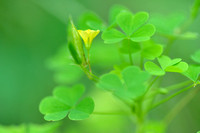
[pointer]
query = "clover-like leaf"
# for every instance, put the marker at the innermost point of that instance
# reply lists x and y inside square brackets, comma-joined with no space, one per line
[151,50]
[165,61]
[167,65]
[144,33]
[133,26]
[82,110]
[196,56]
[192,72]
[153,69]
[112,36]
[131,86]
[180,67]
[65,101]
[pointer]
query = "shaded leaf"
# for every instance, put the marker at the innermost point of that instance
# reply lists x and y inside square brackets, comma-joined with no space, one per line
[129,46]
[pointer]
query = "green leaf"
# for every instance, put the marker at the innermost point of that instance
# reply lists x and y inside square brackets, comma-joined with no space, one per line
[82,110]
[151,51]
[125,22]
[53,109]
[175,65]
[67,95]
[165,61]
[144,33]
[180,67]
[112,36]
[110,82]
[198,132]
[131,86]
[129,23]
[135,80]
[153,69]
[64,100]
[129,46]
[196,56]
[139,20]
[192,72]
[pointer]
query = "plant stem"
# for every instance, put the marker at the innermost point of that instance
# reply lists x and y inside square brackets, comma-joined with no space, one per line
[180,105]
[140,117]
[151,84]
[179,85]
[90,75]
[88,54]
[172,96]
[130,55]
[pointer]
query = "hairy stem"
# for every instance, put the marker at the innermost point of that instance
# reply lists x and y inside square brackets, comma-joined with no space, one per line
[172,96]
[88,54]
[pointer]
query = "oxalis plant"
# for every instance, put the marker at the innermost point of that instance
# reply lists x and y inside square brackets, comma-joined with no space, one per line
[137,79]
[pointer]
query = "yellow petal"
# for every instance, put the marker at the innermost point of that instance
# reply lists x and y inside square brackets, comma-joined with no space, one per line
[88,36]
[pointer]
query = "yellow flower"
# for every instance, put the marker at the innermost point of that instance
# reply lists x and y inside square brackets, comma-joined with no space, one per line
[88,36]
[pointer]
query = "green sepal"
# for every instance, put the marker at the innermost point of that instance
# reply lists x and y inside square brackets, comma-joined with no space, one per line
[75,44]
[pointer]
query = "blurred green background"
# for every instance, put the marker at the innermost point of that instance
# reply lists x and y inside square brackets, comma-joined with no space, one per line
[31,31]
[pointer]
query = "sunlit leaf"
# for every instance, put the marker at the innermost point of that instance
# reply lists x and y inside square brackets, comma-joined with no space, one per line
[144,33]
[82,110]
[62,102]
[180,67]
[131,86]
[135,80]
[151,50]
[153,69]
[172,65]
[125,22]
[112,36]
